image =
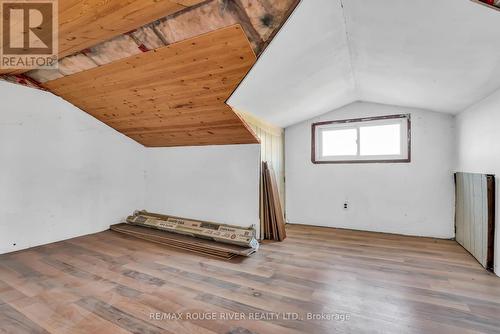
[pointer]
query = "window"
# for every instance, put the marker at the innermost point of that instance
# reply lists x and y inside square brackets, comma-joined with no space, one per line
[362,140]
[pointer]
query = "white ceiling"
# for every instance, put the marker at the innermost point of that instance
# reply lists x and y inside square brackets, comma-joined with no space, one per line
[441,55]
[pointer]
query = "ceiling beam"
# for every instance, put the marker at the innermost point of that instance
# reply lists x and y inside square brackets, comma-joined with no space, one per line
[83,24]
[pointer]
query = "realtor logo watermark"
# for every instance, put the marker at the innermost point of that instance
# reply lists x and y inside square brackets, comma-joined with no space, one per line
[29,31]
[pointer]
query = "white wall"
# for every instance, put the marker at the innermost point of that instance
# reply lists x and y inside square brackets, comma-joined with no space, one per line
[378,51]
[213,183]
[409,57]
[294,81]
[414,198]
[62,173]
[478,138]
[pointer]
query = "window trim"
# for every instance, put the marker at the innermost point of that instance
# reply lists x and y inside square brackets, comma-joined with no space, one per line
[357,120]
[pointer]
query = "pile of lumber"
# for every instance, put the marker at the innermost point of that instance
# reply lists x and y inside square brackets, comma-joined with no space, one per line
[273,220]
[230,234]
[218,240]
[184,242]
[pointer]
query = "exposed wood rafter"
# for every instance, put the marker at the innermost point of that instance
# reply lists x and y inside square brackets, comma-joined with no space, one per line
[83,24]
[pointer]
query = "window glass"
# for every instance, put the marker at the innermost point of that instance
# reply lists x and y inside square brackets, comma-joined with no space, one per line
[339,142]
[362,140]
[380,140]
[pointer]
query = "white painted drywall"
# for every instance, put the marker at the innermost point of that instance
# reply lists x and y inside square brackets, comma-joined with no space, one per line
[414,198]
[62,173]
[438,55]
[441,55]
[305,71]
[213,183]
[478,140]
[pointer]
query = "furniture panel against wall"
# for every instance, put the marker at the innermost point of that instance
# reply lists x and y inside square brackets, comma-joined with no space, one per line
[475,215]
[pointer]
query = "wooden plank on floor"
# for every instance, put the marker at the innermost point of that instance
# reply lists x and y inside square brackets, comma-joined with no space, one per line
[107,282]
[186,242]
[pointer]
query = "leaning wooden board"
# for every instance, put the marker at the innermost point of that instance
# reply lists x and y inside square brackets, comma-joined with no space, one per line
[274,221]
[207,247]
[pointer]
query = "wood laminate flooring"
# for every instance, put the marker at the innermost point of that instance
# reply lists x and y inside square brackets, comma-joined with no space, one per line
[351,282]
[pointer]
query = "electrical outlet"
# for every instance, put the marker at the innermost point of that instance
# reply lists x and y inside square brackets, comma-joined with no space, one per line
[346,205]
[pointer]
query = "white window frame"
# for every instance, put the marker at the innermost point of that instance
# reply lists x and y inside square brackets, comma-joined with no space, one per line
[404,156]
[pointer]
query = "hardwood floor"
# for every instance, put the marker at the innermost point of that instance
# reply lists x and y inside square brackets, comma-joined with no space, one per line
[367,282]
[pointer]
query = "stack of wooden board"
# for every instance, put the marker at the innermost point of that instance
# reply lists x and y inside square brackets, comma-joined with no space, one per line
[230,234]
[184,242]
[273,220]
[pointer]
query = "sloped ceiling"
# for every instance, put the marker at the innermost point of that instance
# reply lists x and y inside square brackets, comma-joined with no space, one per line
[160,71]
[171,96]
[438,55]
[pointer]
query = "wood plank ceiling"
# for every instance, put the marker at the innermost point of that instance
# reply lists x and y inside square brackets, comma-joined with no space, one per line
[172,96]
